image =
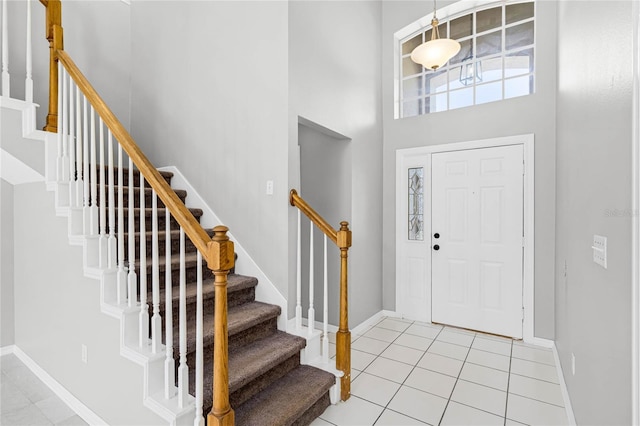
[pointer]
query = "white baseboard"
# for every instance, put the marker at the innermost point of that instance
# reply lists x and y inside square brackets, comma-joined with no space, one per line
[266,291]
[364,326]
[74,403]
[7,350]
[539,341]
[563,387]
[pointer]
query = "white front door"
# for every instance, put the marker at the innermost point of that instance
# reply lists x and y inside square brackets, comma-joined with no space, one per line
[477,239]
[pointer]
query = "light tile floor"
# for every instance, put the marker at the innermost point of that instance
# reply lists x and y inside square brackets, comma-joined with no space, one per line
[409,373]
[26,400]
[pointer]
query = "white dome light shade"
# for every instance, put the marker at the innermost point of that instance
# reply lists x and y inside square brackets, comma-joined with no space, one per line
[435,53]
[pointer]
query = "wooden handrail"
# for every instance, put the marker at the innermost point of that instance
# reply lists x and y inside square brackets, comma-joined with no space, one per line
[297,201]
[342,239]
[177,208]
[217,251]
[54,34]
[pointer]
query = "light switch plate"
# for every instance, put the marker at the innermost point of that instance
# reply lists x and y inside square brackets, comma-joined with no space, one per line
[599,248]
[269,187]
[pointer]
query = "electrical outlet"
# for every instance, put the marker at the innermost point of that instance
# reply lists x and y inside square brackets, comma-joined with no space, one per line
[600,250]
[84,353]
[269,187]
[573,364]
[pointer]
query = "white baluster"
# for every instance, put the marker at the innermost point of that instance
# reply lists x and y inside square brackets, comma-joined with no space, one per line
[6,84]
[102,244]
[122,273]
[199,419]
[93,179]
[86,174]
[112,217]
[28,82]
[312,312]
[156,320]
[59,142]
[133,277]
[144,308]
[79,149]
[325,309]
[183,369]
[71,132]
[299,278]
[62,124]
[169,363]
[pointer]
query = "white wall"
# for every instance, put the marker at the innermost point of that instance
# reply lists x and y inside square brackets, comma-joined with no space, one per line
[530,114]
[7,330]
[593,305]
[210,97]
[334,69]
[57,310]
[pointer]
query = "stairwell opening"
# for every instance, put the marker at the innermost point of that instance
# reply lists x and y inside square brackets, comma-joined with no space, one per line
[325,183]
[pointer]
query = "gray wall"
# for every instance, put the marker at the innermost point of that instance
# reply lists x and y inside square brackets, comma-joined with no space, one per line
[7,330]
[57,310]
[334,81]
[210,97]
[530,114]
[325,183]
[593,305]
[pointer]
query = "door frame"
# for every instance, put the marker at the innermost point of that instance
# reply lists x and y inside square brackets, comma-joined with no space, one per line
[635,223]
[408,155]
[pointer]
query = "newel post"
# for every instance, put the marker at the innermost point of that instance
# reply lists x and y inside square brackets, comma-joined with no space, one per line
[220,261]
[343,337]
[55,37]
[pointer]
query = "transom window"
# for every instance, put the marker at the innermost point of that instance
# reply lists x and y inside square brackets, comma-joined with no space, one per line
[495,62]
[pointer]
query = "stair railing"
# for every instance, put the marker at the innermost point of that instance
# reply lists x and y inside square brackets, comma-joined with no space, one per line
[342,239]
[85,155]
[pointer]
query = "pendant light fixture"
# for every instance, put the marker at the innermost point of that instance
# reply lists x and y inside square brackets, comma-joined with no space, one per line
[436,52]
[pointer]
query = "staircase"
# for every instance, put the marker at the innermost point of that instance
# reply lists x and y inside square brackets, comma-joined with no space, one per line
[267,383]
[208,348]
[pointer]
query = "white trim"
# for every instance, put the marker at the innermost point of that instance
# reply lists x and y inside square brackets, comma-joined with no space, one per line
[7,350]
[543,343]
[635,223]
[14,171]
[74,403]
[563,387]
[266,291]
[528,142]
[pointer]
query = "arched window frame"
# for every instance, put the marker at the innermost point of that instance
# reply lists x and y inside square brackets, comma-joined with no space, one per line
[507,73]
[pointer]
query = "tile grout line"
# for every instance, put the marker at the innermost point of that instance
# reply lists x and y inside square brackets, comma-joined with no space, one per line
[386,407]
[506,402]
[457,380]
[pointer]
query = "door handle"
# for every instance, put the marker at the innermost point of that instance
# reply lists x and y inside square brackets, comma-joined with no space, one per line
[436,247]
[436,235]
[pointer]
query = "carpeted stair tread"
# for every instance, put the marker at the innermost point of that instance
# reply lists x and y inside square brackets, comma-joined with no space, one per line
[234,283]
[148,211]
[250,361]
[286,400]
[181,193]
[190,261]
[125,175]
[162,235]
[239,319]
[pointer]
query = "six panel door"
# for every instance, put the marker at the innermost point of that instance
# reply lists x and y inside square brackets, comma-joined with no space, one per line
[477,239]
